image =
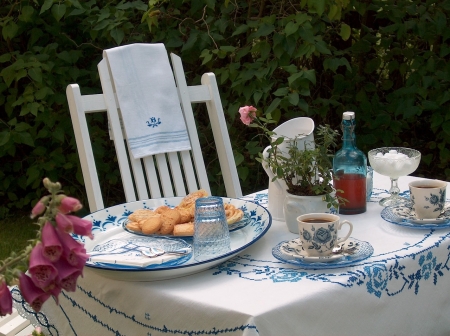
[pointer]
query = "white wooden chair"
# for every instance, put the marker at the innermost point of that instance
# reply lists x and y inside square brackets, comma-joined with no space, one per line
[15,325]
[161,175]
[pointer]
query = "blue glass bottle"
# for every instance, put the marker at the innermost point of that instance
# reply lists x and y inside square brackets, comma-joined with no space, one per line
[350,170]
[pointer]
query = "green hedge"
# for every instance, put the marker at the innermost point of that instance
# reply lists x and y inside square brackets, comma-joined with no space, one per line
[386,60]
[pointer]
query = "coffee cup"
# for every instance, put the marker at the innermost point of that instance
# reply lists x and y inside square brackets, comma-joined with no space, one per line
[319,233]
[427,198]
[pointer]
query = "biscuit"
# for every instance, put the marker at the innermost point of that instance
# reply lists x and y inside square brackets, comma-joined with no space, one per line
[133,226]
[184,229]
[161,209]
[188,201]
[151,224]
[232,213]
[186,215]
[170,218]
[140,214]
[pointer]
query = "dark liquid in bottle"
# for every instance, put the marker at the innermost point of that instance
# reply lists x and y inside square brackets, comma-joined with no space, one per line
[354,187]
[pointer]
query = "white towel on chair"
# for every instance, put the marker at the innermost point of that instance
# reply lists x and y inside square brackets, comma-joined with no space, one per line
[148,99]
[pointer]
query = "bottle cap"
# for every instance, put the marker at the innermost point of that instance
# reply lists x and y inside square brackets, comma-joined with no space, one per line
[348,115]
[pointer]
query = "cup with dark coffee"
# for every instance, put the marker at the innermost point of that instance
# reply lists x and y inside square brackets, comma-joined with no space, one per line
[427,198]
[319,233]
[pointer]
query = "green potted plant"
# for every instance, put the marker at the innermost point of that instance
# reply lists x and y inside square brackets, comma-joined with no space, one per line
[301,169]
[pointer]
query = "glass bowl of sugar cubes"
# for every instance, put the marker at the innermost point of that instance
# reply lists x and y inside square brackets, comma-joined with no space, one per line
[394,162]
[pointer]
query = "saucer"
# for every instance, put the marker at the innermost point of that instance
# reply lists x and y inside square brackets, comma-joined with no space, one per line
[405,212]
[289,251]
[399,218]
[293,248]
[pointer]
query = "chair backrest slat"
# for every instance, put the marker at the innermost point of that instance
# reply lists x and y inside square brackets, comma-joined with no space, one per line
[161,175]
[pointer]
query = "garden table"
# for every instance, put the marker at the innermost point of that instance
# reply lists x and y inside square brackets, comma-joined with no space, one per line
[402,289]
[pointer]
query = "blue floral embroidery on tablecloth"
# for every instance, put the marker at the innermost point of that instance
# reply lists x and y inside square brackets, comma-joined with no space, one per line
[377,278]
[381,277]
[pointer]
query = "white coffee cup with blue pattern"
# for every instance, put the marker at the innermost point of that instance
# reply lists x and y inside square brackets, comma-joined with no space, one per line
[319,233]
[427,198]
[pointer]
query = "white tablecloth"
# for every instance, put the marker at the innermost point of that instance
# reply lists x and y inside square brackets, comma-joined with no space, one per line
[403,289]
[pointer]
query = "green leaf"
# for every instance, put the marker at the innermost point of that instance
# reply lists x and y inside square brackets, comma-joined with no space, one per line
[310,75]
[238,157]
[345,31]
[5,58]
[58,11]
[293,98]
[33,173]
[26,14]
[239,30]
[291,28]
[4,137]
[446,127]
[35,74]
[281,91]
[273,105]
[47,4]
[26,138]
[9,31]
[20,127]
[117,34]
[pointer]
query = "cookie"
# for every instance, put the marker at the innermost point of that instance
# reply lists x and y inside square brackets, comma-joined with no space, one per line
[152,224]
[170,218]
[233,214]
[134,226]
[188,201]
[140,214]
[186,215]
[161,209]
[184,229]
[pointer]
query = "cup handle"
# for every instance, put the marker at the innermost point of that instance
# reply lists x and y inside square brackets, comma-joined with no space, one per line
[341,239]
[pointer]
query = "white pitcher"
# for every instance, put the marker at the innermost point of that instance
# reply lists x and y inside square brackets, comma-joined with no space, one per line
[302,129]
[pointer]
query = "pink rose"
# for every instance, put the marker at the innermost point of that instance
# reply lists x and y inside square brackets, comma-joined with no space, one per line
[69,204]
[5,300]
[247,114]
[31,293]
[50,241]
[42,270]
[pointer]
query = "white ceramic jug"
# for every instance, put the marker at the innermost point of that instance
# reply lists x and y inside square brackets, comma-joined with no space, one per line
[302,129]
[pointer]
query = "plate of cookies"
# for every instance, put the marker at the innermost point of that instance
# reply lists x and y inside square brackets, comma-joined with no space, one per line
[111,233]
[170,221]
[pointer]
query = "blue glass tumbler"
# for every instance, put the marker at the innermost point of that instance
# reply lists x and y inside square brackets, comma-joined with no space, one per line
[211,233]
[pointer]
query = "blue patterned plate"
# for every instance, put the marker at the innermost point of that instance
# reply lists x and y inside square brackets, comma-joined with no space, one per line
[109,235]
[354,251]
[401,215]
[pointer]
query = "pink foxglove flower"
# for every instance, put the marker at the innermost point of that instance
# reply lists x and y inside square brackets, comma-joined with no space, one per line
[73,251]
[63,223]
[31,293]
[39,208]
[247,114]
[67,275]
[42,271]
[69,204]
[5,299]
[77,225]
[51,243]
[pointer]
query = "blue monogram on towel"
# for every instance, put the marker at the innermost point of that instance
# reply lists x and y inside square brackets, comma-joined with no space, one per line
[153,122]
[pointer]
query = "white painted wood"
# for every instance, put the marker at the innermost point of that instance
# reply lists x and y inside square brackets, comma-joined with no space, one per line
[13,326]
[26,332]
[221,137]
[9,317]
[162,175]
